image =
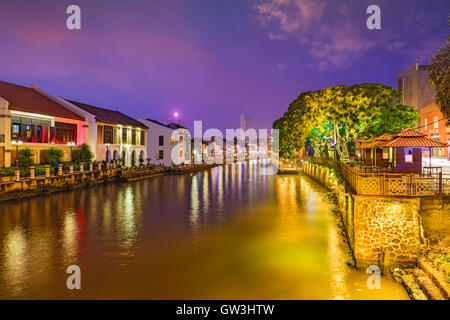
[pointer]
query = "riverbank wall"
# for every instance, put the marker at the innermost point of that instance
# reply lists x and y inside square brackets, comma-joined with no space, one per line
[388,231]
[40,185]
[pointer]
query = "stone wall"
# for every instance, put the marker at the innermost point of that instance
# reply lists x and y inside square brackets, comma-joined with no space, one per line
[436,220]
[382,230]
[46,184]
[387,230]
[318,172]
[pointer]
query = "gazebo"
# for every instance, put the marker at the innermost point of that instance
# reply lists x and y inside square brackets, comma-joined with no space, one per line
[401,152]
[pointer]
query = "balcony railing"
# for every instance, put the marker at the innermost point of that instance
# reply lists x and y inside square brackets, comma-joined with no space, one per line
[396,184]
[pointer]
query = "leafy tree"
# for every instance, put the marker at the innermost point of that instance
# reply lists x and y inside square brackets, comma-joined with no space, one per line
[84,154]
[346,112]
[439,75]
[54,155]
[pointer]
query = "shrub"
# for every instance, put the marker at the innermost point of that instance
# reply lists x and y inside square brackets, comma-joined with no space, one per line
[25,161]
[40,170]
[8,172]
[54,155]
[84,154]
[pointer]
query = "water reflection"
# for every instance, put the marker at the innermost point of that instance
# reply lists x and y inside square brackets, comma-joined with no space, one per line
[228,232]
[69,236]
[15,256]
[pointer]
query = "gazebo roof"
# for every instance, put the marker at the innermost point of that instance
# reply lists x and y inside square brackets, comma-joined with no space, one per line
[375,142]
[384,137]
[414,142]
[409,133]
[405,138]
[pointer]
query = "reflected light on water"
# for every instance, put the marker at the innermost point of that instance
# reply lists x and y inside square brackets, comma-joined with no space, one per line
[226,233]
[206,189]
[69,236]
[15,262]
[338,270]
[195,205]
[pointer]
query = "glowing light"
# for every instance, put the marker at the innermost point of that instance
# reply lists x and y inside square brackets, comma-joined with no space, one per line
[176,114]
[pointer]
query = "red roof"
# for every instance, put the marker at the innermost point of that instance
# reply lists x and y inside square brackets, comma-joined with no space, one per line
[109,116]
[409,133]
[30,100]
[384,137]
[414,142]
[405,138]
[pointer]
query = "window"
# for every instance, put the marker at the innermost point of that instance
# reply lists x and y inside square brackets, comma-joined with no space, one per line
[108,134]
[30,129]
[409,155]
[116,135]
[172,141]
[99,134]
[161,155]
[39,133]
[15,134]
[161,140]
[133,136]
[142,138]
[426,123]
[124,136]
[385,153]
[28,133]
[65,132]
[436,123]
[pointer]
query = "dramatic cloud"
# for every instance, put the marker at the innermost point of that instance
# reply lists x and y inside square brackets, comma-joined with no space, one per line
[335,34]
[318,26]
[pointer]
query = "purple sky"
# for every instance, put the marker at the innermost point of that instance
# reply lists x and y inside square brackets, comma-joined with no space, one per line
[212,60]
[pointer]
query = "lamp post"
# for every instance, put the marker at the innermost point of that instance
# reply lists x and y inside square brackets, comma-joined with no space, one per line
[17,143]
[71,144]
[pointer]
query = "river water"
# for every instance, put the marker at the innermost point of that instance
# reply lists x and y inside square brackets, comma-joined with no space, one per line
[225,233]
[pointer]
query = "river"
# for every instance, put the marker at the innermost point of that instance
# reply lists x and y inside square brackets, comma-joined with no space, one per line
[224,233]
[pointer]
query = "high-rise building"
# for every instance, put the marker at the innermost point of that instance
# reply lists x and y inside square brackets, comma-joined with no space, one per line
[413,83]
[247,122]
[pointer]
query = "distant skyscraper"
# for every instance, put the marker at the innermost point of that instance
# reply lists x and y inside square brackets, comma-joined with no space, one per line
[413,83]
[247,122]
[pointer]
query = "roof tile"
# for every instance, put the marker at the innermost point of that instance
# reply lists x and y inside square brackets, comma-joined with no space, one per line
[108,116]
[27,99]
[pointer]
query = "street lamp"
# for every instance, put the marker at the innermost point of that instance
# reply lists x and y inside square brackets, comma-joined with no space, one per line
[17,144]
[71,144]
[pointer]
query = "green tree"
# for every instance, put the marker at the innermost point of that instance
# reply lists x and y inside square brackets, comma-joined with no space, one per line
[342,112]
[54,155]
[84,154]
[25,161]
[439,75]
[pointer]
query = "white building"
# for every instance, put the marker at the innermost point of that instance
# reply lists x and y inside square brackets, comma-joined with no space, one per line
[112,135]
[159,142]
[33,119]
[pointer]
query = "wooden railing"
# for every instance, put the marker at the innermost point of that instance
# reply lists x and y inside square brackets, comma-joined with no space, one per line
[396,184]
